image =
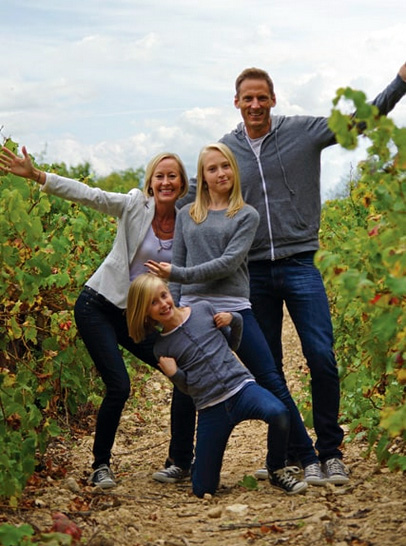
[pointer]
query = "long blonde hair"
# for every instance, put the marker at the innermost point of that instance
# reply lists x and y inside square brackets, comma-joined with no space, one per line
[152,165]
[199,209]
[139,301]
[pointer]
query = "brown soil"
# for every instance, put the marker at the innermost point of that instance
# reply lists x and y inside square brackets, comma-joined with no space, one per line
[370,510]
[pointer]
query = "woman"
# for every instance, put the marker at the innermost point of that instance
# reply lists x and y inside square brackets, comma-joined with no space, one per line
[146,221]
[194,354]
[209,261]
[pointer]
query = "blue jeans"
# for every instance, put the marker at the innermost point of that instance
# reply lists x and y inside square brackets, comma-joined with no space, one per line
[257,357]
[216,423]
[298,283]
[103,328]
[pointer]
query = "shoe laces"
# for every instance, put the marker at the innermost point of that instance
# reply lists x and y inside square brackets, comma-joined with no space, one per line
[292,469]
[103,473]
[173,470]
[285,476]
[313,469]
[335,466]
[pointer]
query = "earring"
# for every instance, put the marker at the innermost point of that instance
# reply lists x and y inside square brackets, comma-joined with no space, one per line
[150,192]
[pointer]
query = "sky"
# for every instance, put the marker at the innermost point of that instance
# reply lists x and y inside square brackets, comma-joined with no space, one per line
[113,83]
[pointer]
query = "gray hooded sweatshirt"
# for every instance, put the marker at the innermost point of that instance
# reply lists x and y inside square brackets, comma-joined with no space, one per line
[283,183]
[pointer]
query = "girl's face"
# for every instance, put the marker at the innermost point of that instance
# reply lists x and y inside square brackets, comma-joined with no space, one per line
[217,173]
[166,181]
[162,307]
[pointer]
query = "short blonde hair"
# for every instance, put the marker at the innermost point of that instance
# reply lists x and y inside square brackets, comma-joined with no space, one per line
[152,165]
[139,301]
[199,209]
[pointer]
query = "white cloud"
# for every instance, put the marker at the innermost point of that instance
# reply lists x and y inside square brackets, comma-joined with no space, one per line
[115,83]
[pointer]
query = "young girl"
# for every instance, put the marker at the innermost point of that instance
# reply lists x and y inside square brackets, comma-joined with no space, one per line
[212,238]
[193,352]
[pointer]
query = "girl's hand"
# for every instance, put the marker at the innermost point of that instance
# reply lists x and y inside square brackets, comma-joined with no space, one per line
[20,166]
[222,319]
[168,365]
[161,269]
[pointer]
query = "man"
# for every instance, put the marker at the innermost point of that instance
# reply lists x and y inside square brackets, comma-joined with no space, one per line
[279,161]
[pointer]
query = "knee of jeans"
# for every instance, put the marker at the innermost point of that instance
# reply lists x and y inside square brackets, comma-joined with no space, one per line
[119,394]
[321,361]
[283,420]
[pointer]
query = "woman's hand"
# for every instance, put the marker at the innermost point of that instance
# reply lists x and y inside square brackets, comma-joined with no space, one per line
[168,365]
[161,269]
[20,166]
[222,319]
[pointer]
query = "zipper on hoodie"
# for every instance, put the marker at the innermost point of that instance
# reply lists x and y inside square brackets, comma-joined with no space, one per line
[268,212]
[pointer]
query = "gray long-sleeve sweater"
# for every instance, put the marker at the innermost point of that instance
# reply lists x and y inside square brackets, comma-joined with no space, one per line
[210,258]
[207,368]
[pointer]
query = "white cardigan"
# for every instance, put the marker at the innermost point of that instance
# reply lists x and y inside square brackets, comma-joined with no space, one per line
[135,213]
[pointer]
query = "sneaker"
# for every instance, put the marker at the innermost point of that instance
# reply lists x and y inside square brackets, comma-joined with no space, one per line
[284,479]
[313,474]
[103,477]
[335,471]
[172,474]
[261,473]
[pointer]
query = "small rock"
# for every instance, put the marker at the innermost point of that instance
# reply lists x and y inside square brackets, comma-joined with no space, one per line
[238,509]
[215,512]
[72,485]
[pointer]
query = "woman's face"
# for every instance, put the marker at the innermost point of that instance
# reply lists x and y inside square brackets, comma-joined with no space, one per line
[217,173]
[166,182]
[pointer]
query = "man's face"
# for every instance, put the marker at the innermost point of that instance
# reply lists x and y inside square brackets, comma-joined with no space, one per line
[255,101]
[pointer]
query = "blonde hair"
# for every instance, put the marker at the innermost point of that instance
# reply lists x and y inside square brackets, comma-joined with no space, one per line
[152,165]
[198,210]
[139,301]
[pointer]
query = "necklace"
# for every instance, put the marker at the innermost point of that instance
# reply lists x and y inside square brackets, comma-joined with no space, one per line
[164,244]
[161,229]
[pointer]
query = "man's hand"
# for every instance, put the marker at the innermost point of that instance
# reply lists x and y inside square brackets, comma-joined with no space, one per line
[402,72]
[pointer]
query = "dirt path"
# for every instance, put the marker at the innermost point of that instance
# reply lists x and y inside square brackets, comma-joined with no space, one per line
[369,511]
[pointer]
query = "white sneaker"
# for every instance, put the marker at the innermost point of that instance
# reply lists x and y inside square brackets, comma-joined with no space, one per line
[261,473]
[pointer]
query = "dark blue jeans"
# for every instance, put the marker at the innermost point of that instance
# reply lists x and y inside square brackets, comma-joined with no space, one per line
[216,423]
[298,283]
[103,328]
[257,357]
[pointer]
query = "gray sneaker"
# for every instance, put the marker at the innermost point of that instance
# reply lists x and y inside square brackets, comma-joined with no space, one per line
[335,471]
[103,477]
[172,474]
[313,474]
